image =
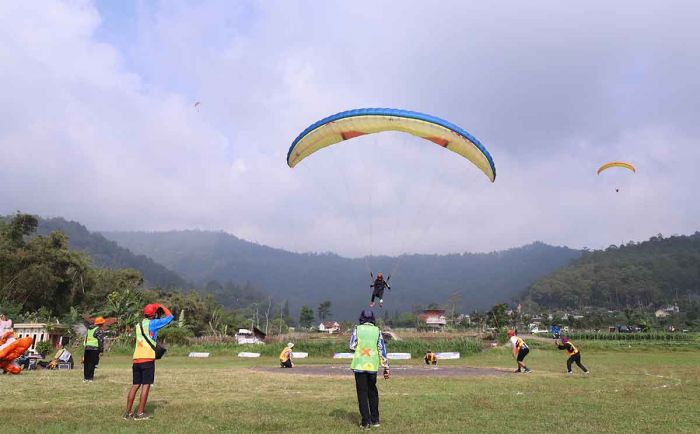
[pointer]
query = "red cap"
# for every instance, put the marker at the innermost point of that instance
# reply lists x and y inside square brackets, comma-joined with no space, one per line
[150,309]
[99,320]
[511,333]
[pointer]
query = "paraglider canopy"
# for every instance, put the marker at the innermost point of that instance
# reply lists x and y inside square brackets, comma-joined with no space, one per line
[354,123]
[622,164]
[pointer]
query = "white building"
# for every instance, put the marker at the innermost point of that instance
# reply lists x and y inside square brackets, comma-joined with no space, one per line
[329,327]
[40,332]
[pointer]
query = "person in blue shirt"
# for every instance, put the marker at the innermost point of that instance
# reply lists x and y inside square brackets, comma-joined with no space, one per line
[143,369]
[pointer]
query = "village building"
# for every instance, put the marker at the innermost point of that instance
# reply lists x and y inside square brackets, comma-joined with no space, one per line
[432,318]
[42,332]
[245,336]
[329,327]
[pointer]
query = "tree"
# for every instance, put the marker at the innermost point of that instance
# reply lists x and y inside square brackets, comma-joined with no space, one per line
[324,310]
[306,316]
[497,316]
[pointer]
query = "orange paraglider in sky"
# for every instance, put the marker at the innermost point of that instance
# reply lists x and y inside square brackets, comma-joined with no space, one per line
[10,350]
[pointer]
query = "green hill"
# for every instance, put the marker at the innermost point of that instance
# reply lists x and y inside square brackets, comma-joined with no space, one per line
[108,254]
[644,274]
[308,278]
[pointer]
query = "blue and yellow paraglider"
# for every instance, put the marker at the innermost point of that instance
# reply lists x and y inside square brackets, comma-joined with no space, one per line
[354,123]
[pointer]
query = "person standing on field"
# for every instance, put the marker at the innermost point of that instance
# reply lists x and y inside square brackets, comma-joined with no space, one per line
[156,316]
[370,353]
[520,350]
[94,344]
[573,353]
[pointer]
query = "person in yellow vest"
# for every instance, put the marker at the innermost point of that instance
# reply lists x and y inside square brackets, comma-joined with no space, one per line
[573,353]
[286,356]
[370,353]
[94,344]
[430,358]
[143,368]
[520,350]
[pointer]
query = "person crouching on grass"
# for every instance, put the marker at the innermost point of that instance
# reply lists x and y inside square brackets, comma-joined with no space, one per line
[520,350]
[286,356]
[156,316]
[370,352]
[573,353]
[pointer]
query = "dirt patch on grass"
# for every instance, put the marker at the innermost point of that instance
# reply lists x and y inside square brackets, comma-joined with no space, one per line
[400,371]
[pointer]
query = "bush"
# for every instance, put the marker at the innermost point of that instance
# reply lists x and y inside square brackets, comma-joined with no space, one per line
[175,335]
[44,348]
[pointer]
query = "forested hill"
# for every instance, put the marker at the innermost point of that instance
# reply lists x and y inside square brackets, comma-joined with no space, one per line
[646,274]
[481,279]
[108,254]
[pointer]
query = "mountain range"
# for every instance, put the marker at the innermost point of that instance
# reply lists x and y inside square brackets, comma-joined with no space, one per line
[472,280]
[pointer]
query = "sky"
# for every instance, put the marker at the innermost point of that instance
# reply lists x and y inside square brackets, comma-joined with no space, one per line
[98,122]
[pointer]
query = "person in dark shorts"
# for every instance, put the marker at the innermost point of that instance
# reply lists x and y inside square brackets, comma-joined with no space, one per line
[143,369]
[378,288]
[520,351]
[573,353]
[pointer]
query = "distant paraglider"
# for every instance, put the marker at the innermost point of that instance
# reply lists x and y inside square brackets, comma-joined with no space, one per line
[620,164]
[196,105]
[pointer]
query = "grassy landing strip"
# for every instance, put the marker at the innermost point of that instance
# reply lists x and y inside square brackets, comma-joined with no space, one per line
[634,389]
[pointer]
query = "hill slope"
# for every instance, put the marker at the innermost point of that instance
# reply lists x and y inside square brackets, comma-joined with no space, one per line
[481,279]
[650,273]
[108,254]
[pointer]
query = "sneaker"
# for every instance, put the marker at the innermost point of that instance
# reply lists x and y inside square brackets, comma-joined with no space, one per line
[127,416]
[365,427]
[527,371]
[375,424]
[569,373]
[381,304]
[371,304]
[517,371]
[586,372]
[141,416]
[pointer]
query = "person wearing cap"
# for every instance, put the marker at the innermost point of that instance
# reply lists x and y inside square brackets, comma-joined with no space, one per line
[520,350]
[286,356]
[369,350]
[379,286]
[94,344]
[156,316]
[573,353]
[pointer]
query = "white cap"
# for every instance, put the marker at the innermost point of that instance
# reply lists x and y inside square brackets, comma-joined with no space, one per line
[290,345]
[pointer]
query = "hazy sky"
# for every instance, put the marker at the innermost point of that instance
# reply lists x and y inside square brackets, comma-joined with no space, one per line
[98,124]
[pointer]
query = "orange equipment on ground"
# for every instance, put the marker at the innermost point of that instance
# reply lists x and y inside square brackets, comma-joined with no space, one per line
[10,350]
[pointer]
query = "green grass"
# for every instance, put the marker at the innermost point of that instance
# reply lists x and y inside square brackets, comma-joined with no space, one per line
[324,347]
[628,391]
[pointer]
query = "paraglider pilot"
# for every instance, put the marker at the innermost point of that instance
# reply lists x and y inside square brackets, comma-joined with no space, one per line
[378,289]
[370,353]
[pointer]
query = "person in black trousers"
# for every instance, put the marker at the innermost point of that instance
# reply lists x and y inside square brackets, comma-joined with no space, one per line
[370,354]
[94,343]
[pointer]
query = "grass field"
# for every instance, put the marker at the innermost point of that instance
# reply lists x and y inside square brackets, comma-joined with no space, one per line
[629,390]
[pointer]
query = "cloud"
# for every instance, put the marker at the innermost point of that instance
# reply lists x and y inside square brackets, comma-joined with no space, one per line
[99,123]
